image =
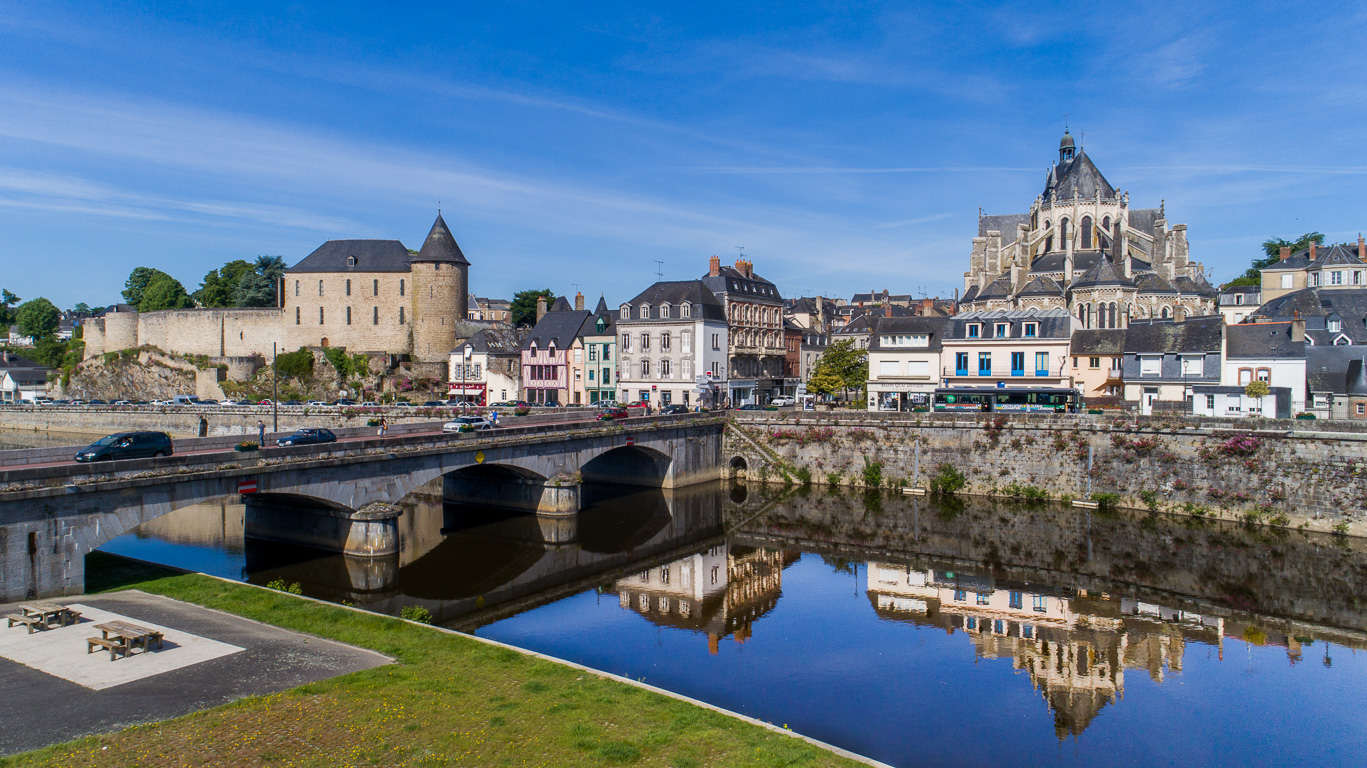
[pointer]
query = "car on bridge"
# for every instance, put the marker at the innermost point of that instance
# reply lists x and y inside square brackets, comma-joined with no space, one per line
[750,407]
[467,424]
[308,436]
[637,408]
[613,414]
[783,401]
[673,409]
[127,445]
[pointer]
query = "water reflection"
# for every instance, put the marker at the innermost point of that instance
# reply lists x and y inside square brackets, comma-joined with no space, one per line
[886,627]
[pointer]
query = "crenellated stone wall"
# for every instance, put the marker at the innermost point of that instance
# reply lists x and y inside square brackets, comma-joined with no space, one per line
[1284,473]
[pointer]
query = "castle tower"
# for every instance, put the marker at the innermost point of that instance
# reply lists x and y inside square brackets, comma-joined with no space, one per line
[440,293]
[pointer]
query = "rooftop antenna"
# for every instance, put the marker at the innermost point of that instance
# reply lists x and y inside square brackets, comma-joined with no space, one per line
[576,286]
[1065,122]
[438,207]
[660,269]
[740,248]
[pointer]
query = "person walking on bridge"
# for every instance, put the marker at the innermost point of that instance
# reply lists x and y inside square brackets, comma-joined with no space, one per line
[261,433]
[384,426]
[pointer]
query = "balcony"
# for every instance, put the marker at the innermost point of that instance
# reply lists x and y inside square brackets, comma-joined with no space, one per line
[1017,371]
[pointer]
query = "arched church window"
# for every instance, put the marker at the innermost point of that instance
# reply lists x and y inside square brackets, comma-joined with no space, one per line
[1063,234]
[1106,224]
[1166,313]
[1112,322]
[1086,233]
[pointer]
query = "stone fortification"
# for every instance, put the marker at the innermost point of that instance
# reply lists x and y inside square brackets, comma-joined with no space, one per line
[1273,472]
[148,374]
[240,332]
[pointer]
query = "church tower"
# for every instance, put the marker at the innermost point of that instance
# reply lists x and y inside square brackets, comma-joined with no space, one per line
[440,294]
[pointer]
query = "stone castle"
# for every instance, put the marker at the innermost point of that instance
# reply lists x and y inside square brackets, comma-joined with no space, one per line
[1084,249]
[366,296]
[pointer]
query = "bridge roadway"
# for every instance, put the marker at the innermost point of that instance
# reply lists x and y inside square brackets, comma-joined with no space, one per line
[340,496]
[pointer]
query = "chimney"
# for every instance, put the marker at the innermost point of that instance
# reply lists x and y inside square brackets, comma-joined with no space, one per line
[1362,249]
[820,313]
[1312,250]
[579,302]
[540,308]
[1298,330]
[1286,253]
[714,267]
[887,310]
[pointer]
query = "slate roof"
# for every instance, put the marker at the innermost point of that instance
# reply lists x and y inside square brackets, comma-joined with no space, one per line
[934,327]
[1052,323]
[1005,224]
[969,295]
[1349,303]
[591,325]
[676,292]
[561,304]
[1105,341]
[744,286]
[1195,334]
[1103,272]
[440,246]
[997,289]
[1262,340]
[1325,255]
[1078,175]
[1327,369]
[1144,219]
[857,326]
[1042,285]
[371,256]
[558,327]
[498,341]
[1198,285]
[1152,282]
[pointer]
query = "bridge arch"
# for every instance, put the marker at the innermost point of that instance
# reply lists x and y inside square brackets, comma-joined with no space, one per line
[629,465]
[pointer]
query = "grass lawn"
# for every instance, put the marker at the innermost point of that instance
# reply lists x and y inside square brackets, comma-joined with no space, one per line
[449,701]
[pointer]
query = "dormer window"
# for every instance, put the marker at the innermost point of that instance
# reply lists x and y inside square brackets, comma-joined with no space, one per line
[1335,325]
[351,261]
[533,348]
[974,331]
[1003,330]
[645,311]
[664,311]
[626,312]
[685,309]
[1238,298]
[1031,330]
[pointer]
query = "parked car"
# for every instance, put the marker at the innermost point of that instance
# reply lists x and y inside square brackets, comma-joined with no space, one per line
[476,423]
[637,408]
[184,400]
[308,436]
[267,401]
[613,414]
[292,402]
[316,403]
[750,407]
[127,445]
[123,402]
[673,409]
[370,404]
[343,401]
[201,402]
[97,402]
[434,403]
[783,401]
[402,404]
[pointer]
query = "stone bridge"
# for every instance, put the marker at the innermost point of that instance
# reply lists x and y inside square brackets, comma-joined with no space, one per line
[342,497]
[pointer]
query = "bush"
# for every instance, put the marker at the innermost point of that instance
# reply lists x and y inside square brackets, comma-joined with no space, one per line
[1106,502]
[1341,528]
[803,475]
[1150,499]
[947,480]
[296,365]
[279,586]
[873,473]
[833,479]
[416,613]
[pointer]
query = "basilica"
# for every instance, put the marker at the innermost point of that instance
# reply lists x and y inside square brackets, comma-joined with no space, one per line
[1084,249]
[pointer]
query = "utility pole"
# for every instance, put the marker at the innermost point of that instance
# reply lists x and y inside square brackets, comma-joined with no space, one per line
[275,388]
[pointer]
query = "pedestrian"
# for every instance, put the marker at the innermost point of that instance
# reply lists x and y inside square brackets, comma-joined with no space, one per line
[493,418]
[261,433]
[384,426]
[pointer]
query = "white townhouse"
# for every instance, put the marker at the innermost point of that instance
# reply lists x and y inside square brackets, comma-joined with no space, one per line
[904,361]
[671,338]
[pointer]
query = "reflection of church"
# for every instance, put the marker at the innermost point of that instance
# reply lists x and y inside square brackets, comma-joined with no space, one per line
[1083,248]
[721,591]
[1074,646]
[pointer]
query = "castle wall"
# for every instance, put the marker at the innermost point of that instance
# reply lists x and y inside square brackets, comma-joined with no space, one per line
[236,332]
[381,305]
[120,331]
[437,289]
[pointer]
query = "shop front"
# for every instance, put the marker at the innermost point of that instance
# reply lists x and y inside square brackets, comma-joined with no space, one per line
[471,392]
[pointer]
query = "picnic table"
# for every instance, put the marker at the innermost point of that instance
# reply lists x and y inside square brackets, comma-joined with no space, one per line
[122,637]
[41,615]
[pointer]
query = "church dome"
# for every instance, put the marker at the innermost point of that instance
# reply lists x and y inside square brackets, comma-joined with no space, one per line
[1067,141]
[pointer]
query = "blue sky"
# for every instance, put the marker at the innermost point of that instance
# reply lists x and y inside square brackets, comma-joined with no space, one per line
[846,146]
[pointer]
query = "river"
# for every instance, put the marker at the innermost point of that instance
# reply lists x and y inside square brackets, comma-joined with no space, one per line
[916,632]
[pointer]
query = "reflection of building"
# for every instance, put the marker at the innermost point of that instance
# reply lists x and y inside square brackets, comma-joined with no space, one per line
[720,591]
[1074,645]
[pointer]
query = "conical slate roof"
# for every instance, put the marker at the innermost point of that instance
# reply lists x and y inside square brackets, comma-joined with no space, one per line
[561,304]
[1042,285]
[440,246]
[1078,175]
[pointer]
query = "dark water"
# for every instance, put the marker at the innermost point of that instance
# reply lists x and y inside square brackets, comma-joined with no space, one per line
[912,632]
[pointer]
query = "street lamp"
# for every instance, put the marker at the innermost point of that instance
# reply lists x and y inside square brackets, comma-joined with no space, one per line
[1186,389]
[465,367]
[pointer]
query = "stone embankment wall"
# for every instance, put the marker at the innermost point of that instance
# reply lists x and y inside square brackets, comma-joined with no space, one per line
[1296,473]
[148,374]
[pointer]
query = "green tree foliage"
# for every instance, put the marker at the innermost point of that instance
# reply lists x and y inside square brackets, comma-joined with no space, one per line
[258,287]
[7,301]
[1272,252]
[218,286]
[296,365]
[841,362]
[38,318]
[164,292]
[51,352]
[81,307]
[137,283]
[524,306]
[348,366]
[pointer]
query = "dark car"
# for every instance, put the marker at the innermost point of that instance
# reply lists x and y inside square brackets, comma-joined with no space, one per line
[308,436]
[345,401]
[612,414]
[435,403]
[127,445]
[674,408]
[750,407]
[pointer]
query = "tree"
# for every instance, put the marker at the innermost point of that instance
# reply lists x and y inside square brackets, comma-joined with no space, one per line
[1272,253]
[137,283]
[1257,390]
[823,382]
[38,318]
[164,292]
[846,363]
[219,285]
[81,307]
[7,299]
[254,290]
[524,305]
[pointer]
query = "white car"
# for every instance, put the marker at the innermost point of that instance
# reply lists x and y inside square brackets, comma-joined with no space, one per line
[161,402]
[783,401]
[316,403]
[123,402]
[368,404]
[476,423]
[231,402]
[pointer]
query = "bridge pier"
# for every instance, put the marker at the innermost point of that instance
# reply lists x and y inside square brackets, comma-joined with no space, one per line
[371,531]
[558,496]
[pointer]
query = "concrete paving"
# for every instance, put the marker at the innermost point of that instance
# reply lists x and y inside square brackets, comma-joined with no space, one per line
[55,691]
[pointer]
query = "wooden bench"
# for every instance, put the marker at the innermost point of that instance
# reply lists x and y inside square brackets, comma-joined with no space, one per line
[32,622]
[114,646]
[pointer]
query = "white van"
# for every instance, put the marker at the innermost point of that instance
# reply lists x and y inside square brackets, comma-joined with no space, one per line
[184,400]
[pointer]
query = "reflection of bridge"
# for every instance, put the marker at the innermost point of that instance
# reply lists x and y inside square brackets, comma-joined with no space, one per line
[341,497]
